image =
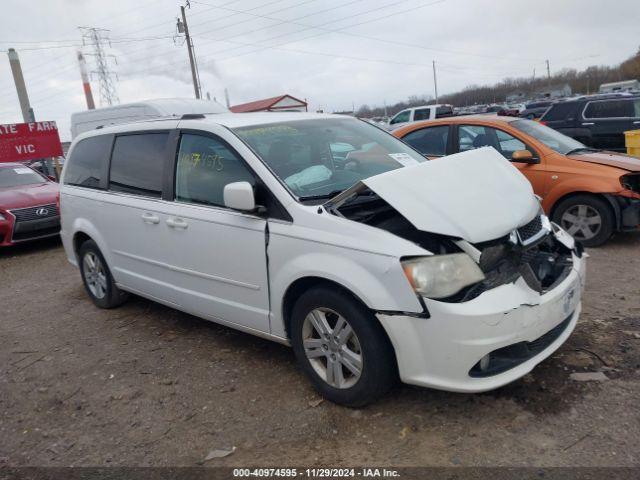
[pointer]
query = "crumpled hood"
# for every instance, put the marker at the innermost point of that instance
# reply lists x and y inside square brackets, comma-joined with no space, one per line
[610,159]
[475,195]
[28,195]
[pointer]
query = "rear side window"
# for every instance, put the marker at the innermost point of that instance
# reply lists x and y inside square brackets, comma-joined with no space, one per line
[421,114]
[429,141]
[444,111]
[560,111]
[84,167]
[137,164]
[610,109]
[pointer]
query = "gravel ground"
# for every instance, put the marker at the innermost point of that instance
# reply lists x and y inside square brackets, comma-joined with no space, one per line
[147,385]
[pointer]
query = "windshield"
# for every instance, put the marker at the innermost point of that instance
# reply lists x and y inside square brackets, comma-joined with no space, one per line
[16,176]
[550,137]
[319,158]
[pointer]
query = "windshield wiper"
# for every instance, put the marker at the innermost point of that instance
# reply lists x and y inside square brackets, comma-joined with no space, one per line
[320,197]
[581,149]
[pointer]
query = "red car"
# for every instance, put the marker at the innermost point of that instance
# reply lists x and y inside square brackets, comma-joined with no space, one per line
[28,205]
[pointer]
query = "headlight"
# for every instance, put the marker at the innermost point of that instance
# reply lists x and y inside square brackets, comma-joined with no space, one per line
[441,276]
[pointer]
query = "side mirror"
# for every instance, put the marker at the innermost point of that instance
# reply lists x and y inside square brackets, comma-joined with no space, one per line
[239,196]
[524,156]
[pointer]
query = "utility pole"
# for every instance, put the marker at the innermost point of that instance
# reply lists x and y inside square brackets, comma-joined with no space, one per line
[86,86]
[18,78]
[435,81]
[184,28]
[97,37]
[548,74]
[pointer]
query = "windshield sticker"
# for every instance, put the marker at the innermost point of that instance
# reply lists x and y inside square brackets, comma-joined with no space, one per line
[404,158]
[22,170]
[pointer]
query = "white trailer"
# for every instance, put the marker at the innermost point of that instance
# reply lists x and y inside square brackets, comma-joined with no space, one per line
[144,110]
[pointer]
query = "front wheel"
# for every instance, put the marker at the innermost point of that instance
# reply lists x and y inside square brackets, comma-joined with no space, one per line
[341,347]
[586,218]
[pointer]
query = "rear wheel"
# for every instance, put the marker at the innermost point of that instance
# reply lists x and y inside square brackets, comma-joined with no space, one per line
[341,347]
[97,278]
[587,218]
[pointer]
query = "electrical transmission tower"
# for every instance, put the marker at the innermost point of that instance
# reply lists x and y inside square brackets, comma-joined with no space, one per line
[98,38]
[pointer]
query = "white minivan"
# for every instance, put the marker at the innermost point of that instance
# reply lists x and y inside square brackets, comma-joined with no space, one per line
[329,234]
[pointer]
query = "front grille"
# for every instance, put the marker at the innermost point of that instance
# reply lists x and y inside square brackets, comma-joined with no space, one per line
[35,222]
[543,264]
[35,213]
[511,356]
[531,229]
[43,231]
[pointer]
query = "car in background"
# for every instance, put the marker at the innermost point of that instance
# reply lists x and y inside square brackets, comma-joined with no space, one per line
[535,110]
[589,193]
[28,205]
[598,121]
[415,114]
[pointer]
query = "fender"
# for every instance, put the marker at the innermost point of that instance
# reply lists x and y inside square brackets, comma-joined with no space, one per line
[598,186]
[381,285]
[82,225]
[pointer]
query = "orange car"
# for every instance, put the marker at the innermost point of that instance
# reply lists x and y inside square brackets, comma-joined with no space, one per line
[590,193]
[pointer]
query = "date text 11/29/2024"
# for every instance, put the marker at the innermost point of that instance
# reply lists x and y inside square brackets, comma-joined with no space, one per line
[316,472]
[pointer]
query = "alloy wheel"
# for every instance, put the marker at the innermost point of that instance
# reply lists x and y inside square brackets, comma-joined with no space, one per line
[332,348]
[94,275]
[582,222]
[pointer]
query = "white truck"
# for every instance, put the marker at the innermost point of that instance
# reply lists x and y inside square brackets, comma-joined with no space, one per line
[425,112]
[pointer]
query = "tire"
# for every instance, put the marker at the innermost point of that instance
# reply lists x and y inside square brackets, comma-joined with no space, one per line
[366,342]
[579,215]
[97,278]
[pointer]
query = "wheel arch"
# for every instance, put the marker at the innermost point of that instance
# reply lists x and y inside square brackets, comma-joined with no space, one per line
[301,285]
[78,239]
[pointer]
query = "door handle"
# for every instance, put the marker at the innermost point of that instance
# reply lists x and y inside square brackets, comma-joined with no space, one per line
[588,123]
[150,218]
[177,223]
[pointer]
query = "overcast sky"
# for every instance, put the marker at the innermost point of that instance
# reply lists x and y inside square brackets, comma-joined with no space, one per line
[334,53]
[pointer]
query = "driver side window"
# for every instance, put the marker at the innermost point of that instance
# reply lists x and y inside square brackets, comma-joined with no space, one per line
[471,137]
[205,166]
[509,144]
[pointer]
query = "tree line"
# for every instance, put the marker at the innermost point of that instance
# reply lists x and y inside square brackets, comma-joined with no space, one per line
[584,81]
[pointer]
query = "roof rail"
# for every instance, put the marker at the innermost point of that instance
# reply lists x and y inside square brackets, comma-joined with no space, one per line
[192,116]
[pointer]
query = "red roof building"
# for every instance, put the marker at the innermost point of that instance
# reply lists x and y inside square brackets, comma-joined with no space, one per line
[274,104]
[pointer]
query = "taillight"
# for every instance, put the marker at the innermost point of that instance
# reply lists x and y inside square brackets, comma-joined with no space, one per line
[542,122]
[58,201]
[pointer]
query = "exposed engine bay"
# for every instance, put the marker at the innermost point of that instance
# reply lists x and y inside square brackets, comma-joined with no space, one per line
[530,252]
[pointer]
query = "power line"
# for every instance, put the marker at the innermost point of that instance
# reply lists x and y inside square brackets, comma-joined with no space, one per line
[235,24]
[307,28]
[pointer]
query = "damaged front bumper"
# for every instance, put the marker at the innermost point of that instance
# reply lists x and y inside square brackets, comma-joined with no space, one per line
[489,341]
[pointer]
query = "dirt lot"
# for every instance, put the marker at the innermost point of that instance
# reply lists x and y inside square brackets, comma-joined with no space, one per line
[147,385]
